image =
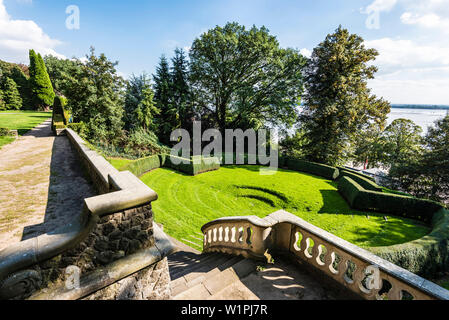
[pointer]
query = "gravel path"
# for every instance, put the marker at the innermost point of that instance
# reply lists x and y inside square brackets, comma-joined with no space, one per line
[42,185]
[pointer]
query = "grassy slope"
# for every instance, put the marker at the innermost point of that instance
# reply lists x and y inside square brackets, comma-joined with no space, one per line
[186,203]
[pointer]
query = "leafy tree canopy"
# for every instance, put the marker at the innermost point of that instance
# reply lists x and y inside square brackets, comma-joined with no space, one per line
[243,79]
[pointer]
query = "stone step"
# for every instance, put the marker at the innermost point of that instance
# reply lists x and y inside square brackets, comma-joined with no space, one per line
[180,266]
[192,279]
[218,281]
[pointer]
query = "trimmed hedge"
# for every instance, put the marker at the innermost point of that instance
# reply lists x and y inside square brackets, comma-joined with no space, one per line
[427,256]
[410,207]
[189,166]
[317,169]
[357,172]
[360,179]
[205,164]
[143,165]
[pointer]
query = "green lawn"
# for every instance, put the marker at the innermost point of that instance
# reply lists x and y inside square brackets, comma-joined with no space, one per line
[22,121]
[186,203]
[6,140]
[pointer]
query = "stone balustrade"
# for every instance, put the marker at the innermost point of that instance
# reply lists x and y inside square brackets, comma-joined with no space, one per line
[363,273]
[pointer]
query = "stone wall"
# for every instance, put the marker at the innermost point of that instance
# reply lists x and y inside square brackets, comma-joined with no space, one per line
[113,244]
[152,283]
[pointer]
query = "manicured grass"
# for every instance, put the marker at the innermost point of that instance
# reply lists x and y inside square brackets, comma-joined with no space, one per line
[22,121]
[186,203]
[6,140]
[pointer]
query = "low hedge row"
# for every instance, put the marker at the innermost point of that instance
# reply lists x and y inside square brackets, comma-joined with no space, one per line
[427,256]
[410,207]
[143,165]
[356,172]
[360,179]
[317,169]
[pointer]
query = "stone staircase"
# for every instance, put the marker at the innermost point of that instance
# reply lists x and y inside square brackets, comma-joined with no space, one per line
[212,276]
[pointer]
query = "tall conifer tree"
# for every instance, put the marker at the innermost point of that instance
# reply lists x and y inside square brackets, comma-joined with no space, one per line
[42,90]
[168,117]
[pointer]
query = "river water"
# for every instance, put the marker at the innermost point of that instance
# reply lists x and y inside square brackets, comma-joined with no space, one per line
[422,117]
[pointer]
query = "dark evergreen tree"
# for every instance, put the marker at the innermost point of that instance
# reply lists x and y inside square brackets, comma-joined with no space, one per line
[41,87]
[23,85]
[11,95]
[140,108]
[167,120]
[181,95]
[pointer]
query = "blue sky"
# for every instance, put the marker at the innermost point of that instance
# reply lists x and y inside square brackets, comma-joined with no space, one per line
[411,35]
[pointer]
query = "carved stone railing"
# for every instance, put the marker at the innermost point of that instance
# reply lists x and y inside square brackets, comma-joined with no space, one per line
[365,274]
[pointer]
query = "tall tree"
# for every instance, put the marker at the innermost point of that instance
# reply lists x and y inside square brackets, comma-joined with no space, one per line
[95,97]
[368,147]
[168,119]
[11,96]
[181,95]
[402,142]
[41,87]
[58,70]
[338,103]
[242,78]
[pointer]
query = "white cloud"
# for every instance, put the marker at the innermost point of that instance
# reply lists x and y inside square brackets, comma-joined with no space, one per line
[18,36]
[397,54]
[429,20]
[410,72]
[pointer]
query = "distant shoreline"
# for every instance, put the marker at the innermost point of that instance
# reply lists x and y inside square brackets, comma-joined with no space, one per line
[420,106]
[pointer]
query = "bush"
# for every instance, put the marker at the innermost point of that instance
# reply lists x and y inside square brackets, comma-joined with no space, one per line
[427,256]
[59,109]
[356,172]
[205,164]
[409,207]
[142,143]
[188,166]
[361,179]
[4,132]
[317,169]
[79,128]
[141,166]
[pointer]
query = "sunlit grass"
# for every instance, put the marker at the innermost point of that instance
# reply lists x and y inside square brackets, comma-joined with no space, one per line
[186,203]
[22,121]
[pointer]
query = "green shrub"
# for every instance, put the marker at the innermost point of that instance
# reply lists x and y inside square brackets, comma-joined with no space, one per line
[205,164]
[59,109]
[142,143]
[426,256]
[361,179]
[186,165]
[317,169]
[79,128]
[189,166]
[357,172]
[4,132]
[361,199]
[141,166]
